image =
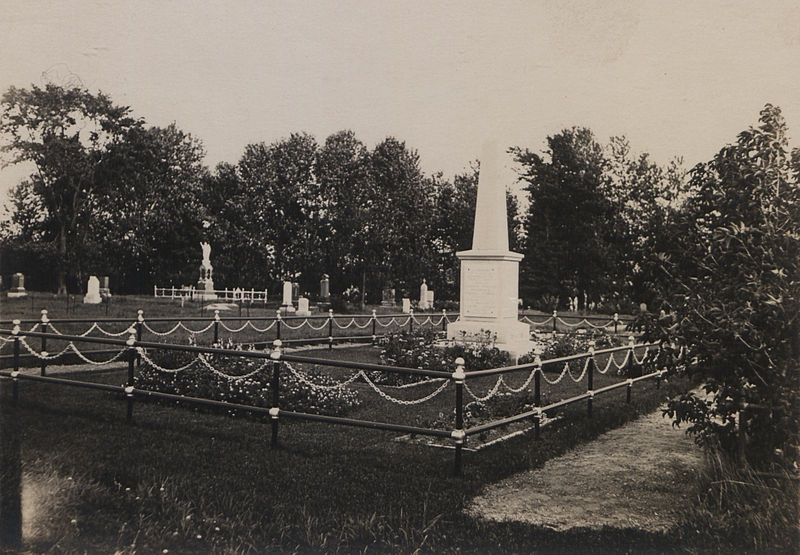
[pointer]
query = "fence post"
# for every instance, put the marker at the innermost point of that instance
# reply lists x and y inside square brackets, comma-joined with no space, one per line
[131,343]
[616,322]
[45,319]
[628,391]
[631,343]
[278,325]
[537,393]
[139,332]
[458,433]
[555,317]
[590,379]
[15,373]
[444,320]
[330,328]
[275,355]
[374,318]
[410,320]
[216,327]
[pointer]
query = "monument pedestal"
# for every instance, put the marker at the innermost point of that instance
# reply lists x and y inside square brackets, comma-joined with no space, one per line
[489,286]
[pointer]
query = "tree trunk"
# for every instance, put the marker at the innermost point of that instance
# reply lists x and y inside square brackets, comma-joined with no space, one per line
[364,289]
[62,261]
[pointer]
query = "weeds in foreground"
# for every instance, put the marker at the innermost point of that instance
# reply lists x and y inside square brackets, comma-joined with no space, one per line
[757,511]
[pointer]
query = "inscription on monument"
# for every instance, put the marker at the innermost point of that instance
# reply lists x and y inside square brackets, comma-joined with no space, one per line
[478,291]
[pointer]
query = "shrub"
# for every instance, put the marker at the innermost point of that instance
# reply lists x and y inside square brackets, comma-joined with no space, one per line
[255,389]
[732,275]
[419,349]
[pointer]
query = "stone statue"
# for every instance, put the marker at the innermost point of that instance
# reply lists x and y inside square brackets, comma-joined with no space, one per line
[206,253]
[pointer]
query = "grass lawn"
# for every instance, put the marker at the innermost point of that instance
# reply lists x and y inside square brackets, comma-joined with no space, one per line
[184,480]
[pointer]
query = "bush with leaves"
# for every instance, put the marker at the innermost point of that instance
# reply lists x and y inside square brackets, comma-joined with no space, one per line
[254,389]
[419,349]
[732,276]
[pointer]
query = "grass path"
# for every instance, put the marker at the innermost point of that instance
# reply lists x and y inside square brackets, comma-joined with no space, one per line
[637,476]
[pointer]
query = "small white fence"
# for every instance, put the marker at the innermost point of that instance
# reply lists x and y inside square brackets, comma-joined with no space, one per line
[192,293]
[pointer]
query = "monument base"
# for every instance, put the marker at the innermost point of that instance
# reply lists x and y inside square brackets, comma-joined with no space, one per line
[17,294]
[205,290]
[288,309]
[92,299]
[512,336]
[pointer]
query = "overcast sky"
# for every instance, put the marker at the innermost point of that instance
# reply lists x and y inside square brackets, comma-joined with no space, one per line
[678,78]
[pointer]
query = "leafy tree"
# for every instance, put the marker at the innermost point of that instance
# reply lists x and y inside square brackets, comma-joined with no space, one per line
[342,171]
[567,226]
[395,242]
[732,276]
[645,199]
[66,134]
[285,213]
[148,232]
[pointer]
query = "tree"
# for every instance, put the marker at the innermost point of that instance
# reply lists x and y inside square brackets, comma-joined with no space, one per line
[644,199]
[283,207]
[732,276]
[148,231]
[66,134]
[567,224]
[342,171]
[395,244]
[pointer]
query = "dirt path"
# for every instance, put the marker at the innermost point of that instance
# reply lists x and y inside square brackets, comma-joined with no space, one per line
[638,476]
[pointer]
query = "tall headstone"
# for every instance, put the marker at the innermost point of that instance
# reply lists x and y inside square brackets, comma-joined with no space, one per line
[423,296]
[490,271]
[325,288]
[17,286]
[430,299]
[406,305]
[286,304]
[205,285]
[92,291]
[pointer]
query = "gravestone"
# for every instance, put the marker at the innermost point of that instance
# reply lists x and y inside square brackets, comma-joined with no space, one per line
[490,271]
[423,296]
[302,307]
[430,299]
[325,288]
[205,285]
[286,304]
[406,305]
[17,286]
[105,291]
[92,291]
[387,296]
[295,290]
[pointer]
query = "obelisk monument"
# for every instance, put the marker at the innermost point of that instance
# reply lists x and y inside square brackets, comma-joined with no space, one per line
[489,271]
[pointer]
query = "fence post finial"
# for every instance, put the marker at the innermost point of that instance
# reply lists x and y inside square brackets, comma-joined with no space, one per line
[16,329]
[140,315]
[45,319]
[216,315]
[276,350]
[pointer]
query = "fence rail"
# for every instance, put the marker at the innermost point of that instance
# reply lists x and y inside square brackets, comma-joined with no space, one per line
[134,351]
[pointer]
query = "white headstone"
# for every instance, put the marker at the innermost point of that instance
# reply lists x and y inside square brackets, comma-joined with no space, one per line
[92,291]
[430,298]
[302,307]
[406,305]
[287,294]
[423,296]
[489,271]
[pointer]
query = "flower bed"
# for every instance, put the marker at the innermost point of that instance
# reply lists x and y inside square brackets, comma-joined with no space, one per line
[228,384]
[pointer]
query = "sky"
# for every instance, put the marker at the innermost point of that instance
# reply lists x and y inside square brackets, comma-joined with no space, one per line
[677,78]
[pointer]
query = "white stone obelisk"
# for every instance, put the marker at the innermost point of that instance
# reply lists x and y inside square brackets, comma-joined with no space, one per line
[489,271]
